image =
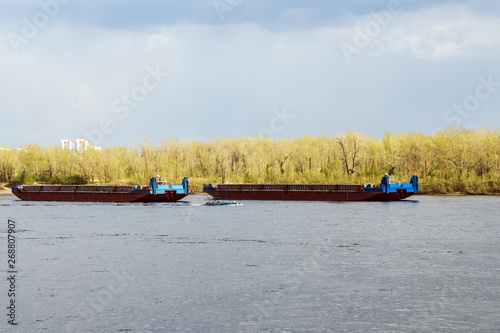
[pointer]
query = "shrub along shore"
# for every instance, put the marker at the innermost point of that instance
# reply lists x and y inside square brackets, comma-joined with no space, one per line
[449,162]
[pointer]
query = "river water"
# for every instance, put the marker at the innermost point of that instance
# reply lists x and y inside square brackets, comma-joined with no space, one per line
[431,264]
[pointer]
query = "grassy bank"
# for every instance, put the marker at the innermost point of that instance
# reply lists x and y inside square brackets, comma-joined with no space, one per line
[4,189]
[452,161]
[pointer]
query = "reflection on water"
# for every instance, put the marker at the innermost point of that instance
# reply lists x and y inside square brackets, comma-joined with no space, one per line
[430,264]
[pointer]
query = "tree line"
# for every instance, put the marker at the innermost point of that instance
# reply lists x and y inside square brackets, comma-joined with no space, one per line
[451,161]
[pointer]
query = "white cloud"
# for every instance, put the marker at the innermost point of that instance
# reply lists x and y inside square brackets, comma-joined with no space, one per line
[227,79]
[442,32]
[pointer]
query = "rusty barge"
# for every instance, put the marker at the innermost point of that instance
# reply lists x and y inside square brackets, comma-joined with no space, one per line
[156,191]
[385,191]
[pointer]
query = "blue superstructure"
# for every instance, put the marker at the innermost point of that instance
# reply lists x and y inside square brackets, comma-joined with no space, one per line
[158,187]
[386,187]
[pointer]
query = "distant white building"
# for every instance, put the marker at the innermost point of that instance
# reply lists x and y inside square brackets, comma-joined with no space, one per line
[82,144]
[79,145]
[66,144]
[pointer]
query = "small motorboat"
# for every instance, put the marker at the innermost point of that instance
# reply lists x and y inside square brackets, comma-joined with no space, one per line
[216,202]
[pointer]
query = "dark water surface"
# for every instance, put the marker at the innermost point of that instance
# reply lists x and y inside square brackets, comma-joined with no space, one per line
[429,265]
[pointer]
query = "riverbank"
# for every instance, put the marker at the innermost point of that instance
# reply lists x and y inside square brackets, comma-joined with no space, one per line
[5,190]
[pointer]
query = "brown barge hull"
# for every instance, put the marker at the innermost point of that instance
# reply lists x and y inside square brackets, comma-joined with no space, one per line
[309,195]
[99,197]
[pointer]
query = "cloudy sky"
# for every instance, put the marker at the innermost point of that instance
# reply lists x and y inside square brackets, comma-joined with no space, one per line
[111,71]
